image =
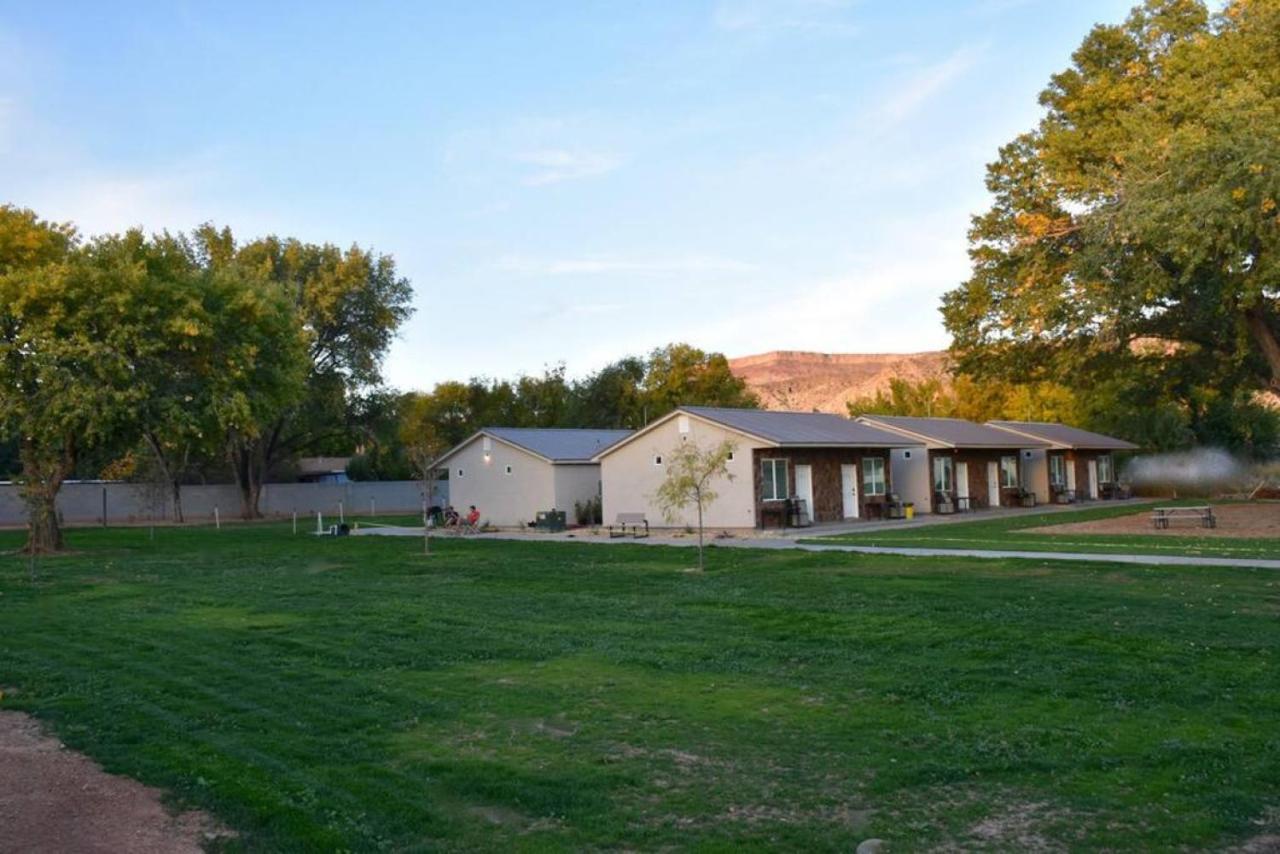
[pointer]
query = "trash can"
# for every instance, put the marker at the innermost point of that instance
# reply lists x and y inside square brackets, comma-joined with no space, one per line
[910,508]
[550,521]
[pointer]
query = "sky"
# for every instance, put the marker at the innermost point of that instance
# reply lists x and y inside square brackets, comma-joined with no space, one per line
[562,182]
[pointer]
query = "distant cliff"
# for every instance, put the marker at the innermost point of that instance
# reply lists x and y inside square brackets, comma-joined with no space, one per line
[787,379]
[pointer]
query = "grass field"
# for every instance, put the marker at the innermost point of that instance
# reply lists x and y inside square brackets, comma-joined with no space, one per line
[1011,534]
[348,693]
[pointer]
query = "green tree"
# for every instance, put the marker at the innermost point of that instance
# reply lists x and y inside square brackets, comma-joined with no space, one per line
[1142,208]
[689,482]
[350,304]
[612,396]
[683,375]
[75,322]
[971,399]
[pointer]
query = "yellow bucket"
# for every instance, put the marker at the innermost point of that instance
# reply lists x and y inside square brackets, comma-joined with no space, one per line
[911,511]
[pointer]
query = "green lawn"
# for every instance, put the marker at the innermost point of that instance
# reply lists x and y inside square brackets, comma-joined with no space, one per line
[1010,533]
[348,693]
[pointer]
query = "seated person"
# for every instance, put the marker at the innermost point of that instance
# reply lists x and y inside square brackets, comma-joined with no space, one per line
[473,517]
[451,517]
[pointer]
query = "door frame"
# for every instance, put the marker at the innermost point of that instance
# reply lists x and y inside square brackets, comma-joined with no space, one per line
[849,490]
[993,483]
[808,498]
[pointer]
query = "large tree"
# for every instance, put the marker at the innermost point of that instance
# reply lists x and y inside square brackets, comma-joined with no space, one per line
[1142,208]
[75,323]
[350,304]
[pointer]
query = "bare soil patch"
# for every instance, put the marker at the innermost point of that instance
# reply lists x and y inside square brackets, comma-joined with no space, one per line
[1259,520]
[56,800]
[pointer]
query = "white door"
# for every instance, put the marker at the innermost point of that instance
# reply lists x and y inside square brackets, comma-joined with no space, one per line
[1071,474]
[1093,479]
[849,490]
[804,487]
[993,484]
[962,480]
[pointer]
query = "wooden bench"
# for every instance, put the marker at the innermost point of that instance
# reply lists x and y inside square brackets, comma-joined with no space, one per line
[634,522]
[1162,516]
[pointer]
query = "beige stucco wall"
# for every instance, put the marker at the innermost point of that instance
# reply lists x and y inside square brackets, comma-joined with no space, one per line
[575,484]
[503,499]
[1035,474]
[630,477]
[912,479]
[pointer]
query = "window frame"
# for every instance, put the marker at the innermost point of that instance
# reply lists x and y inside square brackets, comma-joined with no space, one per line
[947,465]
[869,487]
[1110,466]
[1058,461]
[1009,479]
[771,464]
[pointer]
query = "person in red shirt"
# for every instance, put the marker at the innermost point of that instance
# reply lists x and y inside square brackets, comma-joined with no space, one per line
[473,516]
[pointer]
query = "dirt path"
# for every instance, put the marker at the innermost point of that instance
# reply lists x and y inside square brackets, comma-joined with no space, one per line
[56,800]
[1261,519]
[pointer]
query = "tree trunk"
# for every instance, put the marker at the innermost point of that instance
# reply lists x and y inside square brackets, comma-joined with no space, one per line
[44,535]
[700,564]
[1264,335]
[244,466]
[167,474]
[43,474]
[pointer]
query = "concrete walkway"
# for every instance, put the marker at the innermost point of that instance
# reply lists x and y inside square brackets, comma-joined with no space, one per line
[930,520]
[905,551]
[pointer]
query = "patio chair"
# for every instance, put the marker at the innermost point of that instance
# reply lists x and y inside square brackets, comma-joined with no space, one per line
[894,507]
[942,503]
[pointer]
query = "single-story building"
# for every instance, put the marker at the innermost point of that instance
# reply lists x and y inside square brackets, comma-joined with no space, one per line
[1078,464]
[839,468]
[967,465]
[511,473]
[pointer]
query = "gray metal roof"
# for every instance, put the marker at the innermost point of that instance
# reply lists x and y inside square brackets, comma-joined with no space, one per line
[559,445]
[955,432]
[1062,436]
[801,428]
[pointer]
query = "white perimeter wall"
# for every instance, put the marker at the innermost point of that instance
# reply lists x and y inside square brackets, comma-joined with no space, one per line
[80,503]
[630,477]
[505,500]
[912,479]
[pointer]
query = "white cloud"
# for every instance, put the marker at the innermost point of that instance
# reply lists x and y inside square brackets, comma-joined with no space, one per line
[912,94]
[775,16]
[886,303]
[604,265]
[552,166]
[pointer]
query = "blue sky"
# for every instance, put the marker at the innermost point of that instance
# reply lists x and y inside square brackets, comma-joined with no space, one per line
[561,181]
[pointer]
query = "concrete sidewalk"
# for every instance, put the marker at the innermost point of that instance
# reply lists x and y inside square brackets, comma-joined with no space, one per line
[775,543]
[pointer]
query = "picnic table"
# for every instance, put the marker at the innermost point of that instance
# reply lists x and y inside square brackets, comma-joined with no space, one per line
[1162,516]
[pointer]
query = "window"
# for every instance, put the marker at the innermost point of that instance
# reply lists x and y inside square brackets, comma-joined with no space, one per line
[657,459]
[1009,472]
[873,476]
[459,472]
[906,455]
[508,469]
[731,456]
[773,480]
[943,475]
[1058,470]
[1105,474]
